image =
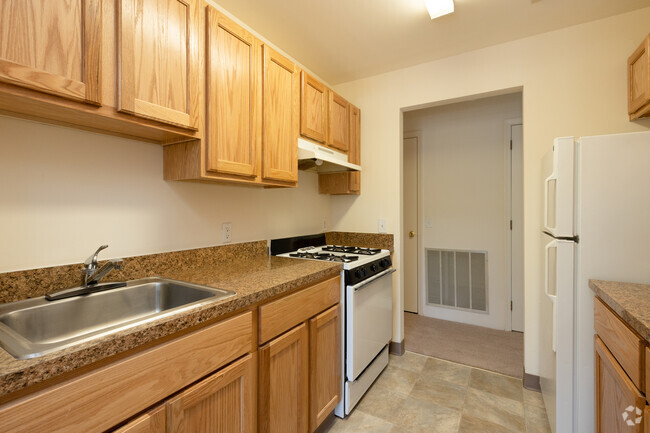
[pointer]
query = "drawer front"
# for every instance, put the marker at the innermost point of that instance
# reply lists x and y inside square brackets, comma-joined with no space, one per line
[279,316]
[626,346]
[105,397]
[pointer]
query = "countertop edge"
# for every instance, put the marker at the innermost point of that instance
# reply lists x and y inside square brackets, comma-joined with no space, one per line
[599,287]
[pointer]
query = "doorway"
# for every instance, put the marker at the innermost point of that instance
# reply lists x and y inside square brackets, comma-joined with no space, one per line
[411,226]
[463,247]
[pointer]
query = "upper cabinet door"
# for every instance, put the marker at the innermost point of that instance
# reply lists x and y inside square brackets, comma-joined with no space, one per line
[280,130]
[233,107]
[158,57]
[354,153]
[313,108]
[339,122]
[52,46]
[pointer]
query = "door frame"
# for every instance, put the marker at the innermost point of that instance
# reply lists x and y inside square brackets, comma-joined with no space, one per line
[419,225]
[507,137]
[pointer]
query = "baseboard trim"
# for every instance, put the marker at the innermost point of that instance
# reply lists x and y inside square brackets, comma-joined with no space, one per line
[531,382]
[396,348]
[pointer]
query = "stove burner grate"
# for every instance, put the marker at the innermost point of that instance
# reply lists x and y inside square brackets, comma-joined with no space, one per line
[352,250]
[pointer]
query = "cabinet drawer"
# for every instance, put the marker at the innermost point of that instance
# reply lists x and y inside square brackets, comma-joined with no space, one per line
[624,343]
[120,390]
[278,316]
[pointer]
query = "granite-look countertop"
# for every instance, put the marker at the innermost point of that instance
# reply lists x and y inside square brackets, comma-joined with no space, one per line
[253,278]
[630,301]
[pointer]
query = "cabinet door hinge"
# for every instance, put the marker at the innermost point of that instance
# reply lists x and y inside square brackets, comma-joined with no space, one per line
[510,144]
[510,224]
[510,305]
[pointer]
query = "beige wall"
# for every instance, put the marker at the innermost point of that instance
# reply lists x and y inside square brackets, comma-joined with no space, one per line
[574,83]
[462,190]
[63,192]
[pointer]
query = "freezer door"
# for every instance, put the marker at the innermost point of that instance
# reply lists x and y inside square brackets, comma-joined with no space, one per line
[557,333]
[558,189]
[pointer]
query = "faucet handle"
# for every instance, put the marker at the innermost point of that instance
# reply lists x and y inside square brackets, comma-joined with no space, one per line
[91,262]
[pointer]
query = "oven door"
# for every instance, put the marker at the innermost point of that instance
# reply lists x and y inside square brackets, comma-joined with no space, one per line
[369,321]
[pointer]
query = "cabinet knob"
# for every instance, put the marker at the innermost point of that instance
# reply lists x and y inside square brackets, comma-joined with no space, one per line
[411,234]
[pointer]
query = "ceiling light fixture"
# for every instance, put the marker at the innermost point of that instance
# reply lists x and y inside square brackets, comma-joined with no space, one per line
[438,8]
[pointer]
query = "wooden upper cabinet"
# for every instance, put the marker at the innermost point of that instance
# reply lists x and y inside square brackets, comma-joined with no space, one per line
[338,135]
[324,365]
[638,81]
[52,46]
[158,60]
[224,402]
[233,106]
[354,154]
[280,121]
[313,108]
[615,395]
[284,383]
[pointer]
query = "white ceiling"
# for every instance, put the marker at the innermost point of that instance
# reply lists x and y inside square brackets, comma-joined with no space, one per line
[343,40]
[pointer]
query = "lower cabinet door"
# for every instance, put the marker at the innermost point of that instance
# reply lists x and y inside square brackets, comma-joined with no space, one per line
[221,403]
[324,365]
[153,421]
[619,404]
[283,383]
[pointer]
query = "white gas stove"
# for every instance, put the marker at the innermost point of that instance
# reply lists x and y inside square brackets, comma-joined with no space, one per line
[366,299]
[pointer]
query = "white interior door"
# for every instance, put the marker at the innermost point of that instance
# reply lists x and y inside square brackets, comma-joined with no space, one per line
[410,227]
[517,235]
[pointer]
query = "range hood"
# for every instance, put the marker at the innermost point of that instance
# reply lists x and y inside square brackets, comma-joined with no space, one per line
[312,157]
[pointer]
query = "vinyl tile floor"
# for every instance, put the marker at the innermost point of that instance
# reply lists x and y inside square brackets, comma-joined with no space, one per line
[421,394]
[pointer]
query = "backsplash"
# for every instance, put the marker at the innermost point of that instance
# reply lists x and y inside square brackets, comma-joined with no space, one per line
[19,285]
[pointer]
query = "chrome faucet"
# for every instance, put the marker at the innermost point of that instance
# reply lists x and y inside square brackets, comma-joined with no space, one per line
[91,274]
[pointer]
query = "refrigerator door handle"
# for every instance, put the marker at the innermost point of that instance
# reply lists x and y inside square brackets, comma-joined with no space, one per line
[547,277]
[552,177]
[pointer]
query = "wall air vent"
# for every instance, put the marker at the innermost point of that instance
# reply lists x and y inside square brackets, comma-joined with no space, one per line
[457,279]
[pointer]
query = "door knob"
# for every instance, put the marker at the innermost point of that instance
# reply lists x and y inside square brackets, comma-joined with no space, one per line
[411,234]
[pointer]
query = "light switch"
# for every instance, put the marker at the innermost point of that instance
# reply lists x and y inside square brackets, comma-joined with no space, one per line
[382,225]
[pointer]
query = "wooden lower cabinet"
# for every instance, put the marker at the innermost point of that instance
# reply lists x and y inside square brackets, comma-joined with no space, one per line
[324,365]
[223,403]
[616,395]
[154,421]
[283,383]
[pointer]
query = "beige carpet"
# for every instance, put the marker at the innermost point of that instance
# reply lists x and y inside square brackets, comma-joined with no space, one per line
[475,346]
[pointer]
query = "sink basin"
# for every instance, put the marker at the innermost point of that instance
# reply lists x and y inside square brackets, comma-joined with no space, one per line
[35,327]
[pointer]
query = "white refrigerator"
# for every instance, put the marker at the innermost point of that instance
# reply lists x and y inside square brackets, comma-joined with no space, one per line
[596,226]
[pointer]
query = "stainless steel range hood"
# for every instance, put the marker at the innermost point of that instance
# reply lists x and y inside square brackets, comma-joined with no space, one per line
[312,157]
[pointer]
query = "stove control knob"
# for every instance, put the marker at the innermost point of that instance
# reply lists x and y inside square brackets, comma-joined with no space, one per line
[358,273]
[383,264]
[374,267]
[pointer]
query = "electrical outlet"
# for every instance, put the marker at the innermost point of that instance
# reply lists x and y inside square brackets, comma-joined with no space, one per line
[382,225]
[324,224]
[226,232]
[427,222]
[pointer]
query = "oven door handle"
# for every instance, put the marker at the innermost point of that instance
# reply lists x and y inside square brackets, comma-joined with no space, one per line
[364,283]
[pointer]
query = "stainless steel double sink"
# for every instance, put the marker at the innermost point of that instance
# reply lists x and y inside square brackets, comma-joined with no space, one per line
[35,327]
